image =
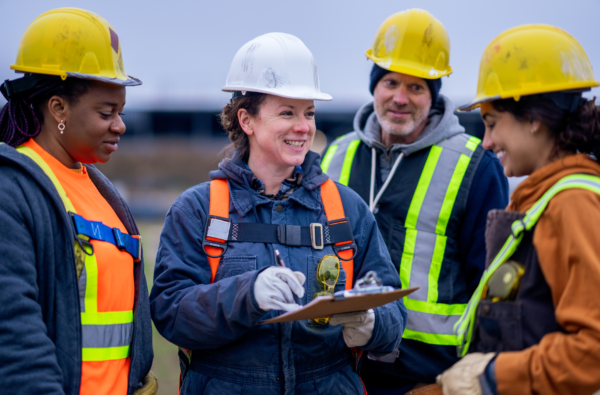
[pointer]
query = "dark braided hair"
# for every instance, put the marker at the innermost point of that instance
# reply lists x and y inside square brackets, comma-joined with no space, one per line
[22,116]
[576,128]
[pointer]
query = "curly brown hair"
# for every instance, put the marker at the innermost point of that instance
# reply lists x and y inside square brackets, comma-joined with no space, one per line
[575,131]
[251,102]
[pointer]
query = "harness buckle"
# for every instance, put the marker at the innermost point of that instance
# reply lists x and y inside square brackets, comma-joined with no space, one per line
[139,249]
[118,238]
[313,236]
[290,235]
[216,233]
[83,243]
[348,245]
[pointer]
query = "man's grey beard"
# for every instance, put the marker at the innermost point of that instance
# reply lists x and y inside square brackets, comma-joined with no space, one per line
[401,129]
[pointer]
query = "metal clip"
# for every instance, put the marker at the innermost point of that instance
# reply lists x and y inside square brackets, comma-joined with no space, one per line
[313,234]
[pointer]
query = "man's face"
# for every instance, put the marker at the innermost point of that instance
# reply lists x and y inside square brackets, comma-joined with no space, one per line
[402,104]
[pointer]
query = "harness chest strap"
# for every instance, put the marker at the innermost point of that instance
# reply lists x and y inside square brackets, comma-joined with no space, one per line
[105,335]
[334,211]
[465,325]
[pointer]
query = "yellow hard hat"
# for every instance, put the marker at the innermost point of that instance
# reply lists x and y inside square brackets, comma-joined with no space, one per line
[529,60]
[412,42]
[71,42]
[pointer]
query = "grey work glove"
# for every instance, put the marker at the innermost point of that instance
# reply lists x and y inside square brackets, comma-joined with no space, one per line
[275,287]
[463,377]
[358,326]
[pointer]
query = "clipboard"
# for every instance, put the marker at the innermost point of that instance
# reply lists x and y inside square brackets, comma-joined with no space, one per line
[327,306]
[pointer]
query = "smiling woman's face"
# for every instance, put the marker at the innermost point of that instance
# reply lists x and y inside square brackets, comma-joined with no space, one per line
[521,146]
[281,134]
[93,122]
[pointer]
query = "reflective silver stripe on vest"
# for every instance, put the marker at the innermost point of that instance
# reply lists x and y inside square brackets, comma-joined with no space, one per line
[430,211]
[102,336]
[82,286]
[337,162]
[431,323]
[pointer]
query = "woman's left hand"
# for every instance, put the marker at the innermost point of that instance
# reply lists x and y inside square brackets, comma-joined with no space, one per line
[463,377]
[358,326]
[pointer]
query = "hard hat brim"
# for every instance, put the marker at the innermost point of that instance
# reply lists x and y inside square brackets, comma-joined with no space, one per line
[130,81]
[432,74]
[478,101]
[290,95]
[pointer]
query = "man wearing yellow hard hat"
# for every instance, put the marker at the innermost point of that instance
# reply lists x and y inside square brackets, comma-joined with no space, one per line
[533,324]
[75,316]
[430,187]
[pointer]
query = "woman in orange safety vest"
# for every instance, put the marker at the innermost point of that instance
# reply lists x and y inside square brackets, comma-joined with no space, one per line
[75,316]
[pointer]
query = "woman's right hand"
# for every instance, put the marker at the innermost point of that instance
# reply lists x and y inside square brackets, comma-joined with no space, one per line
[275,287]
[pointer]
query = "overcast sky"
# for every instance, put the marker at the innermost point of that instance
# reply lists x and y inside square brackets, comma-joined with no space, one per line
[182,50]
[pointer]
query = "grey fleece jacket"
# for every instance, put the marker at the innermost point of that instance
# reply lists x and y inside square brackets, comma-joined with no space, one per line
[443,123]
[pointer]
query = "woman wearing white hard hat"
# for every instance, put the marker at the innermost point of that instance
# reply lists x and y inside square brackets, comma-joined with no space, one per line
[217,276]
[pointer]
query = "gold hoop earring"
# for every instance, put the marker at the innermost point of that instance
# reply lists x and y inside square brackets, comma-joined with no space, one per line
[61,126]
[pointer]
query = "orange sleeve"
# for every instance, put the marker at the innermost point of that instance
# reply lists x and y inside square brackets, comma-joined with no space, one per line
[567,241]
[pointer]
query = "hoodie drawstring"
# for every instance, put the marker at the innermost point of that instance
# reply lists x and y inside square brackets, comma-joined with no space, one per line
[373,202]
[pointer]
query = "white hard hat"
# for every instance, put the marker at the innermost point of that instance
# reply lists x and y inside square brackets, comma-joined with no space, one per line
[277,64]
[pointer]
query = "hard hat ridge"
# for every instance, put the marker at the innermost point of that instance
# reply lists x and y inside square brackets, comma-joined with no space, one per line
[521,61]
[277,64]
[412,42]
[71,42]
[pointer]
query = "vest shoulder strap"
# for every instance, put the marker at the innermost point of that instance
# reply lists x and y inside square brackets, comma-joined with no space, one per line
[334,210]
[464,327]
[337,162]
[46,169]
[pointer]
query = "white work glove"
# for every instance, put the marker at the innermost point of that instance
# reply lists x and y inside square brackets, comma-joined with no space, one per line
[358,326]
[275,287]
[462,377]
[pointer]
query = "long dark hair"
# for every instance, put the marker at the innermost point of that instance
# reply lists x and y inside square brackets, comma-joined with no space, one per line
[22,116]
[573,120]
[251,101]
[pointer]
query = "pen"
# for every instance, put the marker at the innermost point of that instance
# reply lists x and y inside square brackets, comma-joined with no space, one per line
[279,260]
[281,263]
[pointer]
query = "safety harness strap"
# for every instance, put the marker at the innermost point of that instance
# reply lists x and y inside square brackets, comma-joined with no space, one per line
[98,231]
[316,235]
[219,207]
[334,210]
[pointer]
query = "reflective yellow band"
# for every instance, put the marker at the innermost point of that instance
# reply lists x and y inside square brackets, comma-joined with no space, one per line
[436,268]
[44,166]
[328,157]
[105,354]
[429,338]
[473,143]
[109,318]
[348,159]
[434,308]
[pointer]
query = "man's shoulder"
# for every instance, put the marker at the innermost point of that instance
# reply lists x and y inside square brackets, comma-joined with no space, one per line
[346,138]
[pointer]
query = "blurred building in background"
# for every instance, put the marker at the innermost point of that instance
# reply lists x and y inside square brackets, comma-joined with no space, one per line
[165,152]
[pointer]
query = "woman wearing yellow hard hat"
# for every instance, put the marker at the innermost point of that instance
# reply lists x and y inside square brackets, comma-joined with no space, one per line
[533,324]
[75,316]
